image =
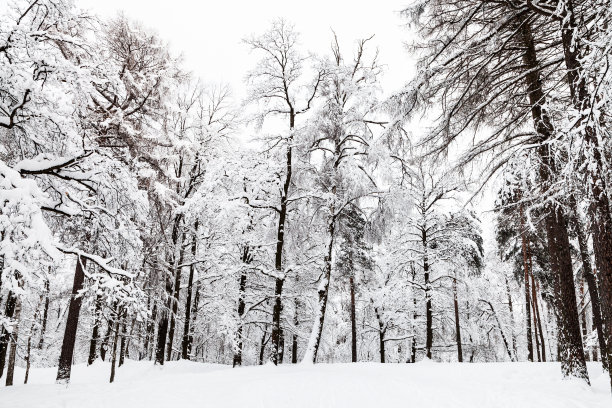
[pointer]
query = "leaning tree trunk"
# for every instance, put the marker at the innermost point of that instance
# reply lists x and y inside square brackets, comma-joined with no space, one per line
[457,322]
[570,342]
[65,361]
[317,330]
[353,320]
[510,309]
[537,316]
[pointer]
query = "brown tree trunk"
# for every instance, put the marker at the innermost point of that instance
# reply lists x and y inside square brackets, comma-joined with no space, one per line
[353,321]
[72,323]
[537,316]
[570,342]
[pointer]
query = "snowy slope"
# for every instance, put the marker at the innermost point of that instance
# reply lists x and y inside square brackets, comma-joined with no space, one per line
[185,384]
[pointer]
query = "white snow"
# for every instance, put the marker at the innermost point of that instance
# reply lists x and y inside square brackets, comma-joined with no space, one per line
[423,385]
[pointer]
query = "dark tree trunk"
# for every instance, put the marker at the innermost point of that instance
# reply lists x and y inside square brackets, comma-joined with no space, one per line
[175,297]
[296,324]
[428,309]
[93,344]
[114,351]
[536,323]
[9,311]
[457,323]
[105,340]
[72,323]
[246,259]
[589,276]
[537,316]
[510,309]
[43,326]
[280,242]
[14,338]
[527,290]
[570,342]
[150,328]
[123,341]
[187,336]
[381,335]
[353,321]
[262,348]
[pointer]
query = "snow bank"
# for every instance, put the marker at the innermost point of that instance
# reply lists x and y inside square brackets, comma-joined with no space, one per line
[186,384]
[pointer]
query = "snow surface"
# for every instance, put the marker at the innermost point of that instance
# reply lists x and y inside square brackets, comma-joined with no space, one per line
[422,385]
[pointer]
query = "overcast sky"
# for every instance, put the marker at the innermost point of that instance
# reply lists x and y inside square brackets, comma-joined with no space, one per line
[209,33]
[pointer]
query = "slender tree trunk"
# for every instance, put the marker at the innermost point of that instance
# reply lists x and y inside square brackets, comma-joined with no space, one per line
[187,336]
[527,290]
[317,331]
[537,316]
[428,294]
[175,297]
[72,323]
[93,344]
[114,352]
[14,339]
[381,335]
[589,276]
[570,342]
[296,324]
[9,311]
[246,259]
[457,322]
[533,307]
[105,340]
[510,309]
[150,328]
[28,356]
[499,326]
[43,326]
[353,321]
[122,348]
[280,242]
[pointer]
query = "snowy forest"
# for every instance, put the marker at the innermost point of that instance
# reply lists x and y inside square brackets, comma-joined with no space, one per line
[148,215]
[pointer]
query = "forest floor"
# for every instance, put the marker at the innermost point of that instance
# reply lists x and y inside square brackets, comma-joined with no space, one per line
[423,385]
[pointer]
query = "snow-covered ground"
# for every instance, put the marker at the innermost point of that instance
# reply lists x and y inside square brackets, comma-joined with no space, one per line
[430,385]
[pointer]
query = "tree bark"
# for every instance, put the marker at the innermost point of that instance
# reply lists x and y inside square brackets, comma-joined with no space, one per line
[527,290]
[9,311]
[95,335]
[537,316]
[43,326]
[428,309]
[457,323]
[187,336]
[353,321]
[65,361]
[246,259]
[114,352]
[14,338]
[570,342]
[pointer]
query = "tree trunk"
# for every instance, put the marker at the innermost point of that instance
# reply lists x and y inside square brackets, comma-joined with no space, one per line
[14,338]
[527,290]
[296,323]
[65,361]
[353,321]
[589,276]
[533,307]
[381,335]
[187,336]
[105,340]
[570,342]
[114,352]
[93,344]
[457,323]
[537,317]
[510,309]
[280,242]
[9,311]
[175,297]
[246,259]
[123,340]
[43,326]
[428,310]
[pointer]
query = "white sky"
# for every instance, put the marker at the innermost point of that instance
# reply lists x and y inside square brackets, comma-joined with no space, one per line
[208,33]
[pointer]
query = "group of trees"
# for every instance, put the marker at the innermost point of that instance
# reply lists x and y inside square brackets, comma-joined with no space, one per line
[147,215]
